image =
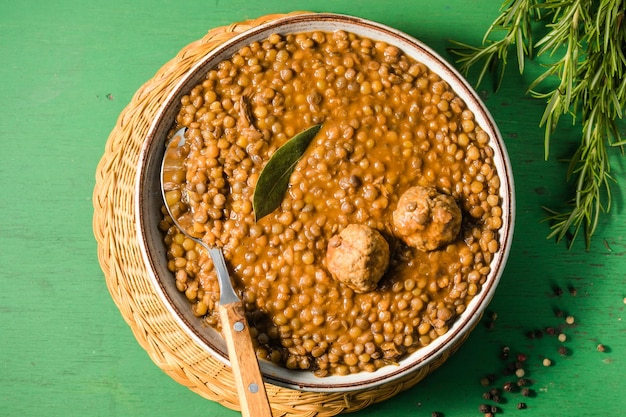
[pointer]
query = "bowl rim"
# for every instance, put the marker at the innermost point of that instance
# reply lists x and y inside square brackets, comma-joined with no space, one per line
[274,374]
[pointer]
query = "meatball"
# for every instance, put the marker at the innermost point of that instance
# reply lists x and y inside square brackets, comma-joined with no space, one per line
[358,257]
[427,219]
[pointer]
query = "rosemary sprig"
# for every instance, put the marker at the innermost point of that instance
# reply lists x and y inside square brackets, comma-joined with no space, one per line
[586,42]
[515,20]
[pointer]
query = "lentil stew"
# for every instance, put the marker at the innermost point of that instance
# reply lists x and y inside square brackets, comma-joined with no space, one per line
[389,124]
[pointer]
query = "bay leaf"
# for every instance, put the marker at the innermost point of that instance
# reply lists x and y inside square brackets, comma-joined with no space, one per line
[273,181]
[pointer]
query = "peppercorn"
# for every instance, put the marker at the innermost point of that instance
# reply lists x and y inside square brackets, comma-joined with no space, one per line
[547,362]
[550,331]
[508,386]
[521,406]
[562,337]
[558,313]
[601,347]
[494,409]
[563,351]
[525,392]
[436,414]
[504,353]
[494,391]
[522,382]
[484,408]
[520,372]
[487,396]
[572,290]
[521,357]
[569,319]
[558,291]
[487,380]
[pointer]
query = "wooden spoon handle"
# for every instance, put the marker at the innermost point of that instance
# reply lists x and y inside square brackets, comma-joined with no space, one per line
[243,360]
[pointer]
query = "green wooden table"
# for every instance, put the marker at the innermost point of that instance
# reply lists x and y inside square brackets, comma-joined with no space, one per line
[68,68]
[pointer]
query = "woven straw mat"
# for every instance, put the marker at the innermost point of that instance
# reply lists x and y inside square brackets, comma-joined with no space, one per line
[127,279]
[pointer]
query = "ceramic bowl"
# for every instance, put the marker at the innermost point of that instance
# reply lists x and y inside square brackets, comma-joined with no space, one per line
[148,203]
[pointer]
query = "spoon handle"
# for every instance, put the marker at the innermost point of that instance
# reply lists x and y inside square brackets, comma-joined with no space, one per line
[250,387]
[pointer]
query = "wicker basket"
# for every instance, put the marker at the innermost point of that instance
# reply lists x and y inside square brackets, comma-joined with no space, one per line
[154,328]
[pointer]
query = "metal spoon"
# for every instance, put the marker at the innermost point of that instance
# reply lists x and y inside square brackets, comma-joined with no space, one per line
[250,388]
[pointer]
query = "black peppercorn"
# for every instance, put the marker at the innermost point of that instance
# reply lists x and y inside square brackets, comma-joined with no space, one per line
[508,386]
[558,291]
[484,408]
[504,353]
[521,406]
[563,351]
[436,414]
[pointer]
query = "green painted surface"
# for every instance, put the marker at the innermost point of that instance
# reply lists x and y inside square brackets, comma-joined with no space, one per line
[68,68]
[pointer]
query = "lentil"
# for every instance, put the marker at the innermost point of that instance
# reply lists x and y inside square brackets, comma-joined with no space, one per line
[383,132]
